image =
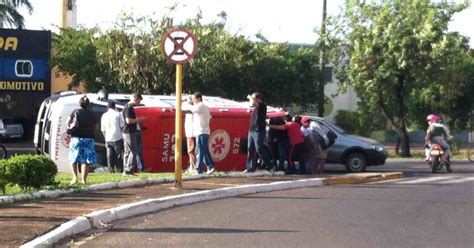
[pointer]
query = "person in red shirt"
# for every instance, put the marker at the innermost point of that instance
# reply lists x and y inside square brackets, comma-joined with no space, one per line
[296,144]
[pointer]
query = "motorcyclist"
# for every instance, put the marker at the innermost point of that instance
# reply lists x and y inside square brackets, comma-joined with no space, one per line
[438,133]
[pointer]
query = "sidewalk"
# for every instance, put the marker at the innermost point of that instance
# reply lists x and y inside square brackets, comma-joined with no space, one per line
[22,222]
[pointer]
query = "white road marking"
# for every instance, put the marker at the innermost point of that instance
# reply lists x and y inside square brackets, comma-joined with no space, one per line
[459,180]
[455,179]
[427,179]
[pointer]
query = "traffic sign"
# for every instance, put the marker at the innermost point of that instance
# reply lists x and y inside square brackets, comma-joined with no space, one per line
[179,45]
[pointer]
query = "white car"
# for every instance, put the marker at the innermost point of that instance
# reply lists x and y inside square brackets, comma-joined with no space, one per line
[10,128]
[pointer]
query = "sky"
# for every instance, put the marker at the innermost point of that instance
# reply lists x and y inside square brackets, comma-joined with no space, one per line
[279,21]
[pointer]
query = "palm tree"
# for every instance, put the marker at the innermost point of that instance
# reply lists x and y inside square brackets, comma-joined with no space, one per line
[9,14]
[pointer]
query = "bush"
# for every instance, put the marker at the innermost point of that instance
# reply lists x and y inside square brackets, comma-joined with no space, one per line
[455,145]
[31,171]
[4,177]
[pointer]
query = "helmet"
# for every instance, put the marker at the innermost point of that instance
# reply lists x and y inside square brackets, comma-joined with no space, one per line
[432,118]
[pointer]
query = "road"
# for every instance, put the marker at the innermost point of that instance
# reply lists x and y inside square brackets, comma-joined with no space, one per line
[420,210]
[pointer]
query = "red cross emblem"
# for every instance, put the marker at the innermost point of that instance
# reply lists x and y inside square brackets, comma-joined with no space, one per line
[220,145]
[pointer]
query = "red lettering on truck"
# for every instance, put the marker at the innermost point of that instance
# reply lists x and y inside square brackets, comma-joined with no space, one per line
[57,140]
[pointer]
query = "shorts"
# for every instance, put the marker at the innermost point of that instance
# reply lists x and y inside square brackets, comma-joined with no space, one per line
[82,150]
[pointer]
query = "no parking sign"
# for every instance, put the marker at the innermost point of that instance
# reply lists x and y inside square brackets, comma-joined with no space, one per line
[179,45]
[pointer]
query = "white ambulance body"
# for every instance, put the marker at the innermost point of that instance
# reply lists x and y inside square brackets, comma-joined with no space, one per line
[50,130]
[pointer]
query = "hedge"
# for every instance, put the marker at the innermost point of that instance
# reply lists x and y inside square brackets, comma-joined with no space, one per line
[27,171]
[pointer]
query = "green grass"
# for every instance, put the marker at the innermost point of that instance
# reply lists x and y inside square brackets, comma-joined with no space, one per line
[64,179]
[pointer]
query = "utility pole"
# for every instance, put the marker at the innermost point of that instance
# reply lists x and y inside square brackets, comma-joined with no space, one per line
[68,13]
[322,54]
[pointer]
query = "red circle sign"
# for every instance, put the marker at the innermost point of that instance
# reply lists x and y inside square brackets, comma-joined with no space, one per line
[179,45]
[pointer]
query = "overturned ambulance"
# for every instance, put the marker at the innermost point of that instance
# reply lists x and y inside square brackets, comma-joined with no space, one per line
[227,141]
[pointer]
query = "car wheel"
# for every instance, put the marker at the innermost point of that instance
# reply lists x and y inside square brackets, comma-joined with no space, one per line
[356,162]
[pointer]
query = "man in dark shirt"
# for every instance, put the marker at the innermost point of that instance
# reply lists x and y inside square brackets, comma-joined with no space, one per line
[81,147]
[257,133]
[130,134]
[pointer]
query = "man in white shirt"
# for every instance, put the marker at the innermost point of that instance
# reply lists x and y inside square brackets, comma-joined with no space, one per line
[201,130]
[111,126]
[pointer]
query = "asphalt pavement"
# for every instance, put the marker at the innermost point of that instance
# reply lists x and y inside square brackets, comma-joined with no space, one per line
[46,221]
[426,211]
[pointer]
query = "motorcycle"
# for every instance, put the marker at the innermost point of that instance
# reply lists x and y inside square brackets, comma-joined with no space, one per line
[437,161]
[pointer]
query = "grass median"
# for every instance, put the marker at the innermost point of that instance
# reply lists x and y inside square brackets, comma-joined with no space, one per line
[63,181]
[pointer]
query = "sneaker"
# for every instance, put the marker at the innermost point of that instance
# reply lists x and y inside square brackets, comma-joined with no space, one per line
[209,172]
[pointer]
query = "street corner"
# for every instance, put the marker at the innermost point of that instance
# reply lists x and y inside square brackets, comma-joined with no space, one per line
[356,178]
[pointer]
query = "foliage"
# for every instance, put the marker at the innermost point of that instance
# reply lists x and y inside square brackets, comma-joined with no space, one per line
[4,176]
[370,119]
[399,54]
[451,96]
[347,120]
[31,171]
[133,52]
[75,55]
[9,12]
[455,145]
[129,58]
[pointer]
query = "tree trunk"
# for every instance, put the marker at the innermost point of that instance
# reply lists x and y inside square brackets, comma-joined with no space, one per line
[397,146]
[399,128]
[403,134]
[405,143]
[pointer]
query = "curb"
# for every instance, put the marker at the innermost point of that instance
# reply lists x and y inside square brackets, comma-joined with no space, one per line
[365,178]
[101,218]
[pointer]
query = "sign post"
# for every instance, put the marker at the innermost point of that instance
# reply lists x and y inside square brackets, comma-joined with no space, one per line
[179,46]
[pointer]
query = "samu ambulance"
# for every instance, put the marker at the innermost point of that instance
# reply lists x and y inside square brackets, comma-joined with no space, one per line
[227,141]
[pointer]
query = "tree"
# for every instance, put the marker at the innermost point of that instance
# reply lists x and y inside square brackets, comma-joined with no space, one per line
[132,51]
[9,14]
[129,58]
[74,52]
[399,53]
